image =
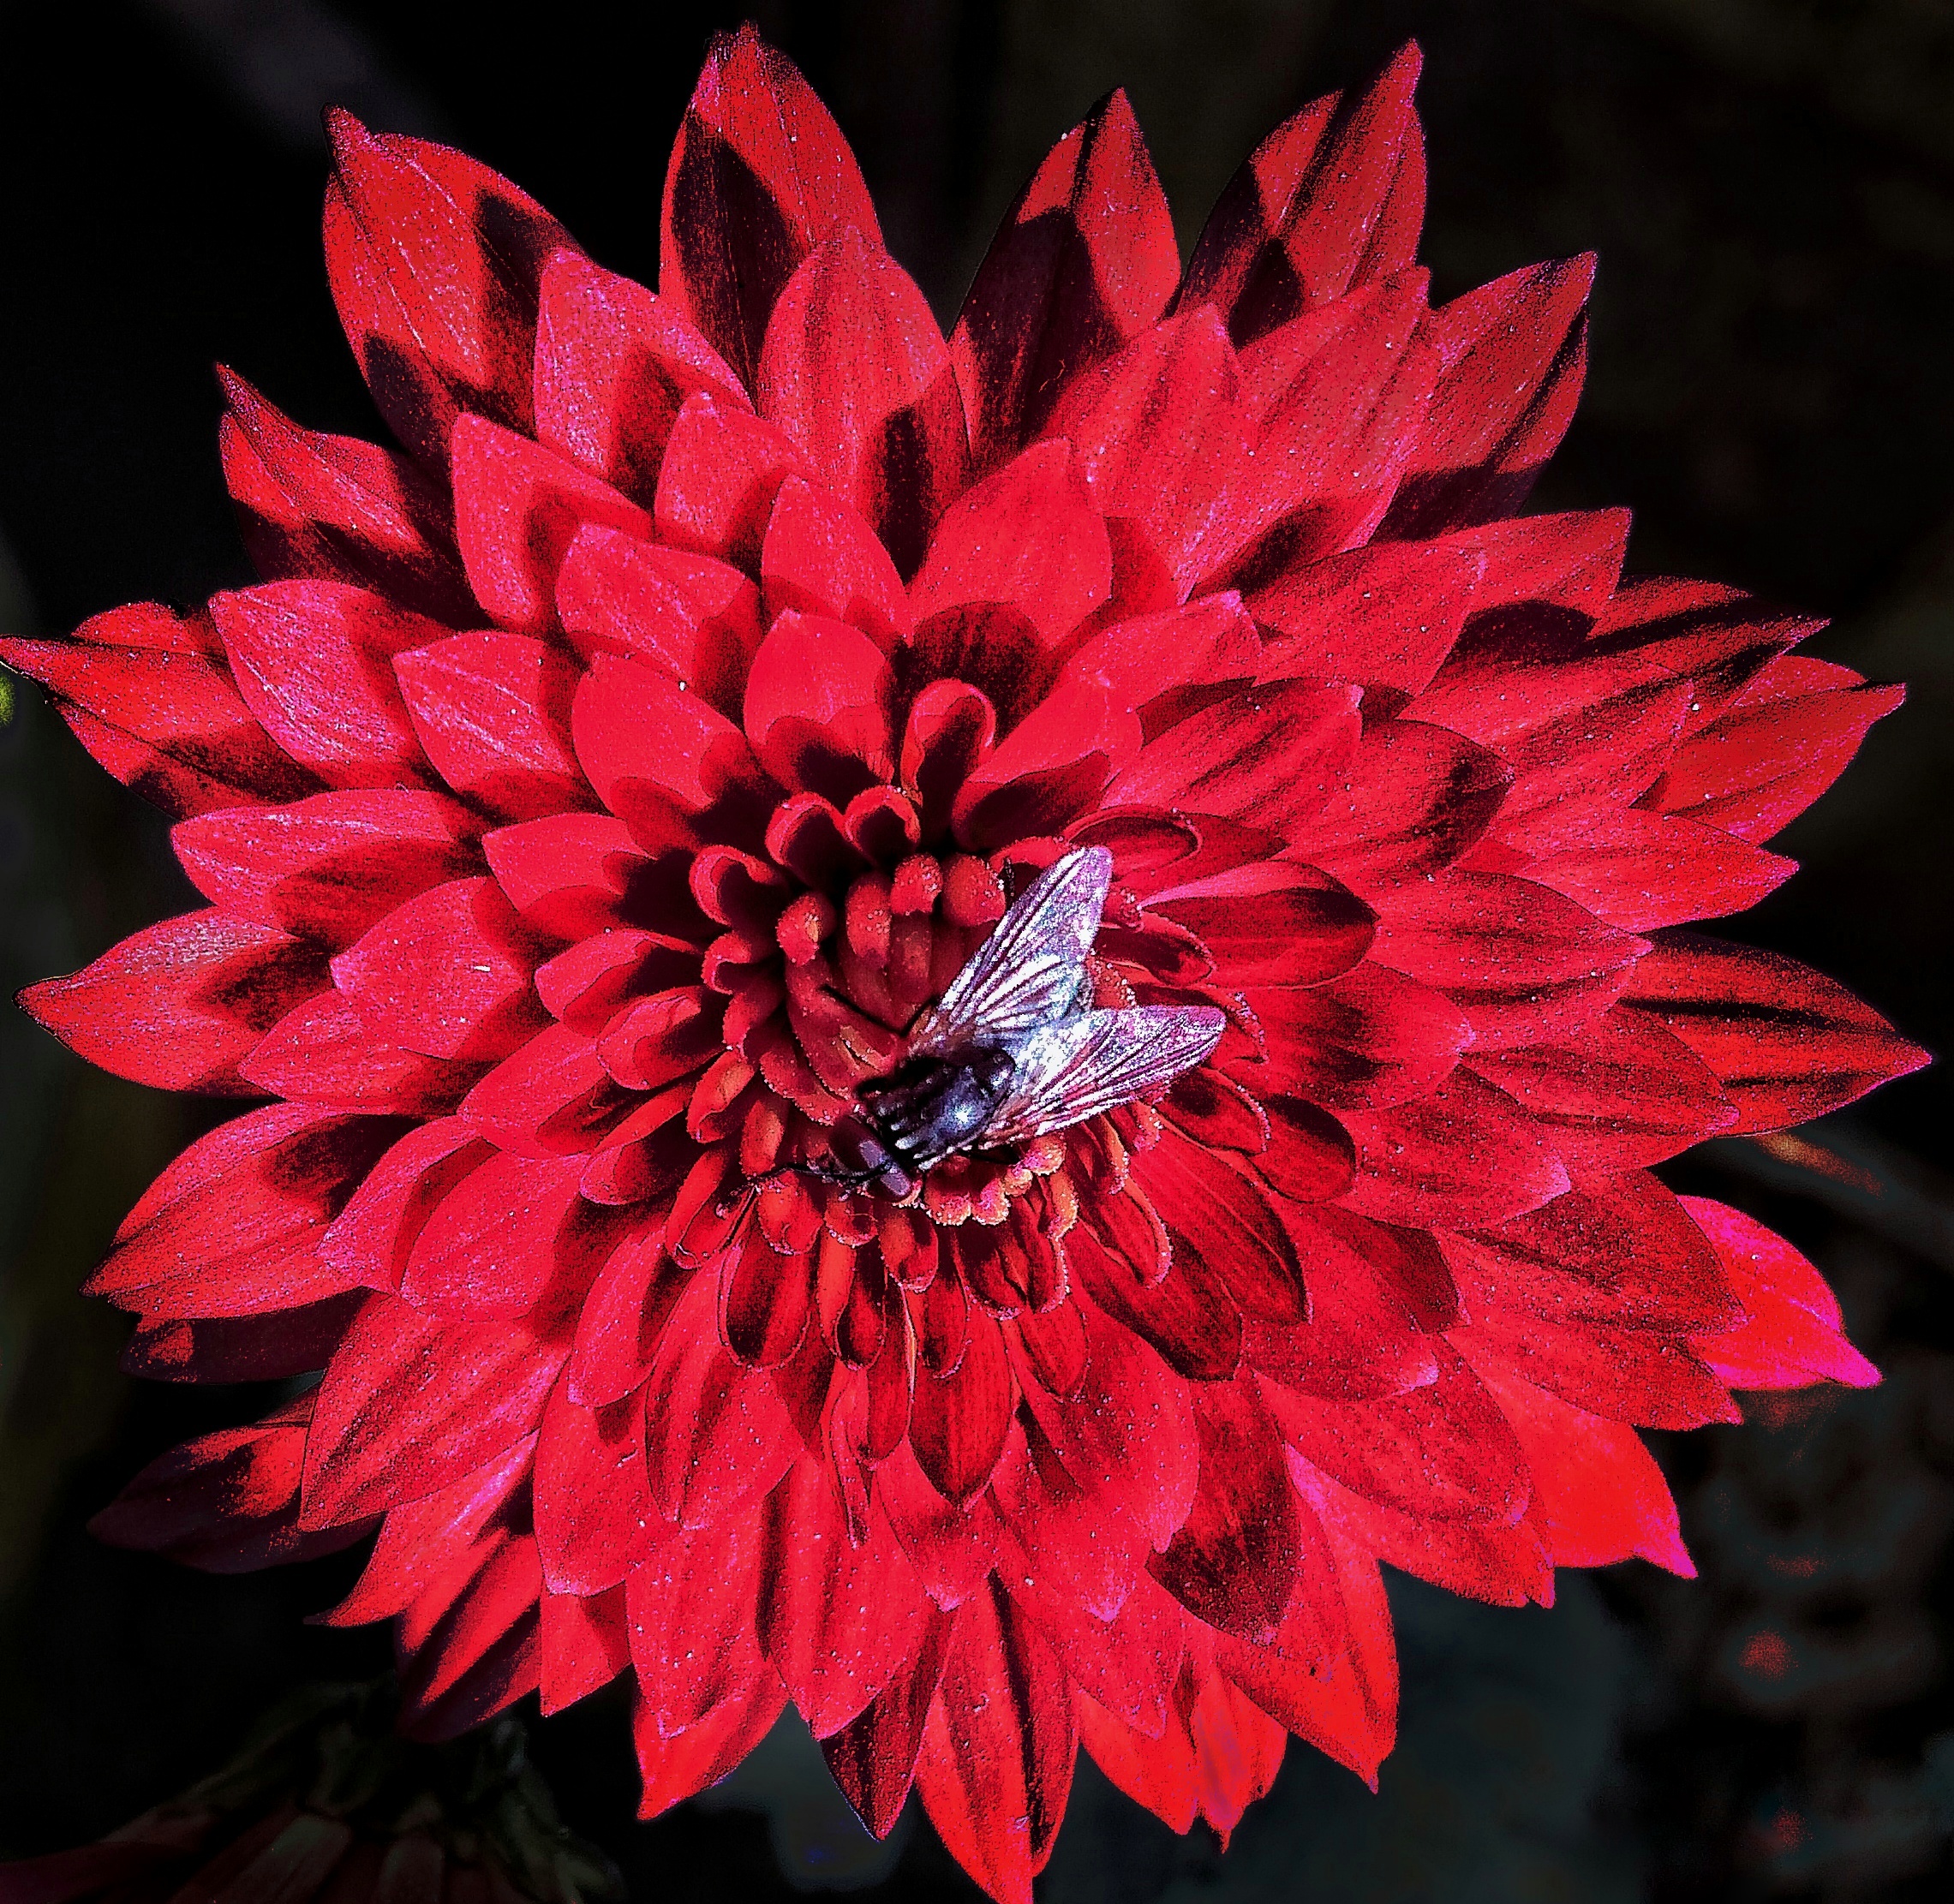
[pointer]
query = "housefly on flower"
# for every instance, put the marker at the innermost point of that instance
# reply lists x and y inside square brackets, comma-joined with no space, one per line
[1013,1050]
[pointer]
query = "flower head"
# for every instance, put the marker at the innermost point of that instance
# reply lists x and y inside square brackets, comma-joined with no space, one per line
[594,797]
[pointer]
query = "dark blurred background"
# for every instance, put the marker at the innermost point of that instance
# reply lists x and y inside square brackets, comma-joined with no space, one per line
[1770,184]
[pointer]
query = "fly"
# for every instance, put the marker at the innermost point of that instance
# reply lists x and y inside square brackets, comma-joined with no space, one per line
[1014,1050]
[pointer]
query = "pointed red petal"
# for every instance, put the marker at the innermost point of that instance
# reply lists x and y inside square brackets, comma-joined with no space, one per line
[435,263]
[595,1517]
[1333,199]
[314,661]
[1514,354]
[1785,1042]
[227,1502]
[760,175]
[855,371]
[413,1401]
[182,1003]
[1791,1334]
[998,1749]
[1084,260]
[492,711]
[614,365]
[331,507]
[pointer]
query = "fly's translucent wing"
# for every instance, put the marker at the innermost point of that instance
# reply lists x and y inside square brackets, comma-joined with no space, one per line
[1031,969]
[1074,1069]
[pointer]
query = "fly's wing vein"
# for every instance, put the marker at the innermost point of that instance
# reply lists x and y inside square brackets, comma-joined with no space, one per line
[1097,1061]
[1031,969]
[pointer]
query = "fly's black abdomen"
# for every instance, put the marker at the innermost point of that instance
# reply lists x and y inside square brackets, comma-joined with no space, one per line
[932,1107]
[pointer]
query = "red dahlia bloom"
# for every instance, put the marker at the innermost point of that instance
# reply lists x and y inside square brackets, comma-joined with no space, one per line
[590,797]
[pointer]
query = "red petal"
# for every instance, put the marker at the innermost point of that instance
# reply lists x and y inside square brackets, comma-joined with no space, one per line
[958,1421]
[240,1348]
[1273,925]
[998,1749]
[1515,352]
[952,1547]
[328,867]
[585,1643]
[1622,1250]
[662,761]
[838,1619]
[1439,1453]
[819,708]
[1641,870]
[760,175]
[435,262]
[1785,1042]
[493,710]
[413,1401]
[517,508]
[1143,658]
[873,1757]
[181,1004]
[322,1053]
[595,1518]
[1775,749]
[447,974]
[1385,615]
[696,618]
[1346,1706]
[500,1237]
[1159,433]
[314,662]
[550,1097]
[338,508]
[623,1316]
[1624,1094]
[614,365]
[1026,537]
[1333,199]
[482,1655]
[1049,769]
[150,695]
[1522,963]
[722,470]
[1070,1545]
[691,1603]
[1637,1376]
[675,1767]
[1128,1664]
[1216,1214]
[1232,1562]
[1341,416]
[227,1502]
[716,1433]
[1188,1314]
[1369,1039]
[1791,1334]
[821,558]
[855,371]
[369,1239]
[1600,1497]
[1131,1423]
[1378,1297]
[1262,755]
[430,1547]
[1412,799]
[1084,260]
[574,875]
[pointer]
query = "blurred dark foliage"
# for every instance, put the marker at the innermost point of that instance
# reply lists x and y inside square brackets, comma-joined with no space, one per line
[1770,184]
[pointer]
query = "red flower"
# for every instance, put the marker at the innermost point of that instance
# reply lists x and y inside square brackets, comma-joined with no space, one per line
[589,799]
